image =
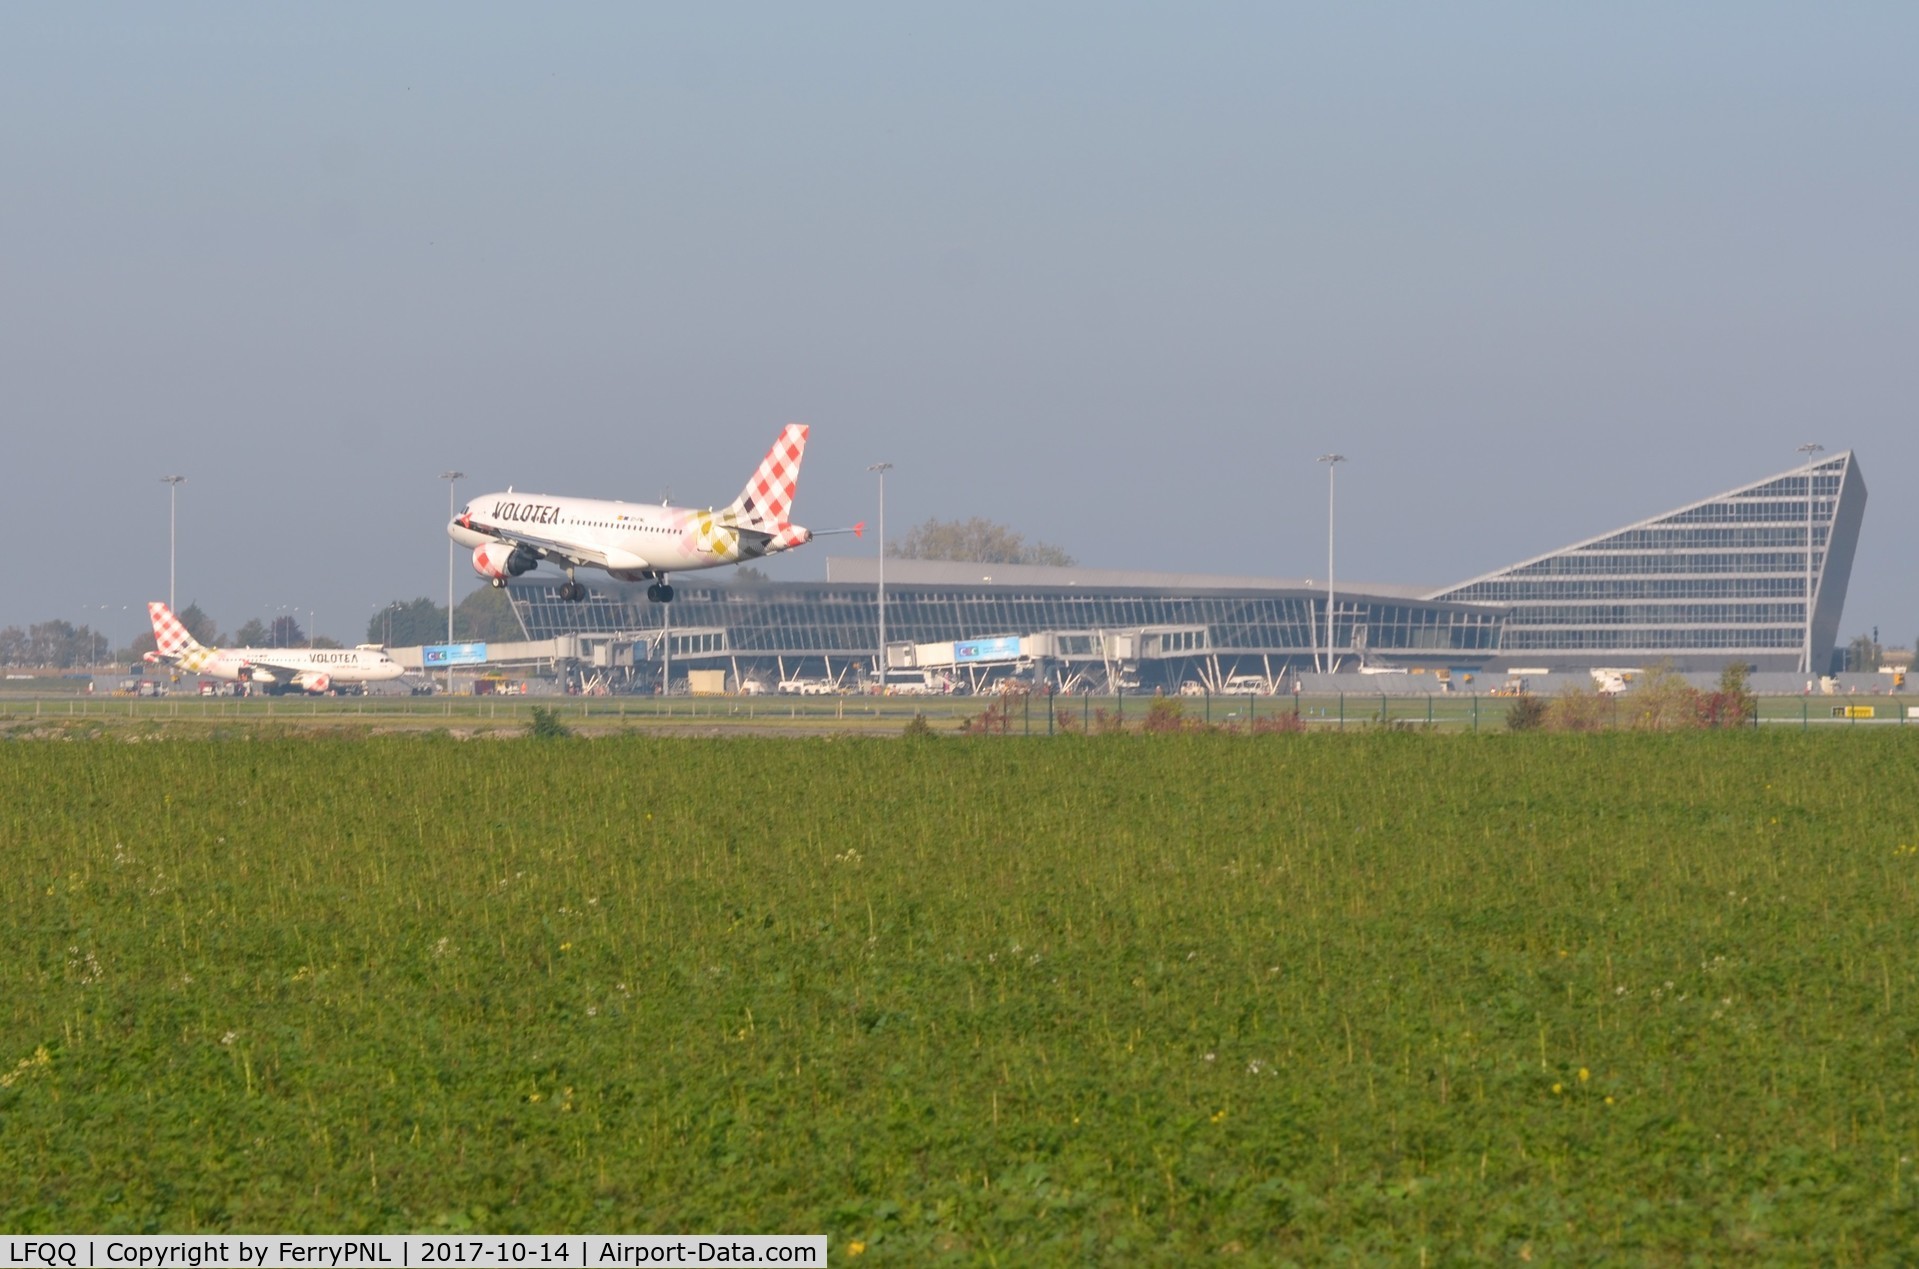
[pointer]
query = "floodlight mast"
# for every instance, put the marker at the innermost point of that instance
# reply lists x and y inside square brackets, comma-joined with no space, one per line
[173,484]
[881,469]
[1809,450]
[449,477]
[1332,461]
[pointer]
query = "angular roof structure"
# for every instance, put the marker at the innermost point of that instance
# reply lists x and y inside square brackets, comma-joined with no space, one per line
[1722,580]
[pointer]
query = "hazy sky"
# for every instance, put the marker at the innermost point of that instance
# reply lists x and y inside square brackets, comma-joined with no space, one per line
[1114,274]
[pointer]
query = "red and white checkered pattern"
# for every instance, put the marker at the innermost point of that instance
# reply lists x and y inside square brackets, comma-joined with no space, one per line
[169,636]
[767,500]
[173,643]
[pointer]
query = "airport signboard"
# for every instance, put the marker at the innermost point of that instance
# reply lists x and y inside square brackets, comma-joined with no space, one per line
[1005,648]
[440,655]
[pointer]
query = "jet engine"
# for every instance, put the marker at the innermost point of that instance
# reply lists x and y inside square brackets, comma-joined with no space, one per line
[500,560]
[314,682]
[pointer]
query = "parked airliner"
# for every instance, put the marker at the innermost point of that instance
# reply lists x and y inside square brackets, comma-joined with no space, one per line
[275,669]
[511,532]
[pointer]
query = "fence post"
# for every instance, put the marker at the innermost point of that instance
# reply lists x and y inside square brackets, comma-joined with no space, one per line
[1342,710]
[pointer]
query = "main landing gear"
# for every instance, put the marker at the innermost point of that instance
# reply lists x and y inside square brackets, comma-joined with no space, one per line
[572,591]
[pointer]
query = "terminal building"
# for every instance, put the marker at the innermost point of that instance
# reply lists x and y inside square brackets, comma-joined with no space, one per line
[1755,575]
[1090,628]
[1726,579]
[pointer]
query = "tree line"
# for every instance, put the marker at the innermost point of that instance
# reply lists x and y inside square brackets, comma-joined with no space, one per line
[61,645]
[975,541]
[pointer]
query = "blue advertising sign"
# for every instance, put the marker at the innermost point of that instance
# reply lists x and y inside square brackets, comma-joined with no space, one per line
[445,654]
[1001,649]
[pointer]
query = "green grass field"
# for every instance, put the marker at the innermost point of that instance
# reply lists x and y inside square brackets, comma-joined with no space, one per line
[1379,996]
[28,714]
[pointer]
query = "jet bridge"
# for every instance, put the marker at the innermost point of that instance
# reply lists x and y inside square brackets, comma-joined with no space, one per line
[1073,660]
[589,658]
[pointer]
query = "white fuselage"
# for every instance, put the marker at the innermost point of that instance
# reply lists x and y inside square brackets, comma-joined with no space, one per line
[301,667]
[632,541]
[510,533]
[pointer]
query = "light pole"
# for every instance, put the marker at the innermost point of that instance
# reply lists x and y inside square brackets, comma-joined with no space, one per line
[1809,450]
[449,477]
[1332,461]
[882,469]
[173,484]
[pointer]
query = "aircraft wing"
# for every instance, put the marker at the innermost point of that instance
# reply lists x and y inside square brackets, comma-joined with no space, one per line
[282,673]
[548,548]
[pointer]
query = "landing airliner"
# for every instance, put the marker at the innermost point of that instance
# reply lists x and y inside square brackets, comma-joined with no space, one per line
[510,532]
[275,669]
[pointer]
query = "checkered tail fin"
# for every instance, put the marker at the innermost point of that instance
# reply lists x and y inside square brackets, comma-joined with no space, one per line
[170,637]
[767,501]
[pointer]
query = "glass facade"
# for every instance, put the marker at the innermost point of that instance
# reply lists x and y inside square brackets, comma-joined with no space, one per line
[1722,580]
[802,626]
